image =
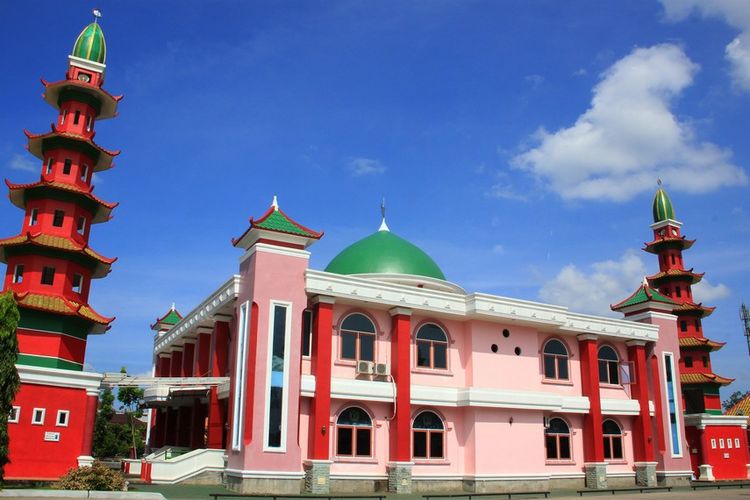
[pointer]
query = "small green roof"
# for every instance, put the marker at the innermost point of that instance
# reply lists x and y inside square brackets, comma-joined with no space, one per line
[90,44]
[276,220]
[384,253]
[662,206]
[644,294]
[171,318]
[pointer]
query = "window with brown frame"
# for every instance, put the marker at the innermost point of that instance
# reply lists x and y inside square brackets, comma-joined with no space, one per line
[428,434]
[612,440]
[432,347]
[557,440]
[609,366]
[354,433]
[357,338]
[555,360]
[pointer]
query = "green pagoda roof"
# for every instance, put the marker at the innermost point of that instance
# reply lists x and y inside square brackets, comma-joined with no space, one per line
[384,253]
[644,294]
[171,318]
[90,44]
[662,206]
[276,220]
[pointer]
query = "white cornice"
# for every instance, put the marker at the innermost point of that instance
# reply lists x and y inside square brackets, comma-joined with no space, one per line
[664,223]
[703,420]
[202,315]
[652,315]
[487,307]
[60,378]
[86,64]
[275,249]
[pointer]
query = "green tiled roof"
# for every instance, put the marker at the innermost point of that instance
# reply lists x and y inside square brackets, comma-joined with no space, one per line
[172,318]
[277,220]
[662,206]
[644,294]
[90,44]
[384,253]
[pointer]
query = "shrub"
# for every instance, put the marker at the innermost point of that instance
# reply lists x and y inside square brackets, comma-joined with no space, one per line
[97,477]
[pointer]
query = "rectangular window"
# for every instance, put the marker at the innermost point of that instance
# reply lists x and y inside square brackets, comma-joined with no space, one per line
[48,275]
[713,444]
[307,326]
[736,442]
[18,273]
[240,369]
[63,117]
[88,123]
[278,378]
[50,161]
[705,361]
[678,291]
[348,345]
[81,225]
[15,415]
[62,418]
[729,443]
[67,166]
[683,326]
[672,402]
[77,283]
[37,417]
[33,216]
[84,172]
[57,220]
[688,360]
[697,325]
[721,443]
[77,118]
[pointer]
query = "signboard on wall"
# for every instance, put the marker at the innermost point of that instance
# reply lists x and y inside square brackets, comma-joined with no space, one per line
[52,436]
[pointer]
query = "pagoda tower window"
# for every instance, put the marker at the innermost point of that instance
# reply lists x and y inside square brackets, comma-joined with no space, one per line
[81,225]
[89,121]
[66,167]
[18,273]
[84,172]
[77,283]
[688,360]
[705,361]
[678,291]
[697,325]
[77,118]
[683,326]
[33,216]
[50,161]
[63,116]
[58,218]
[48,275]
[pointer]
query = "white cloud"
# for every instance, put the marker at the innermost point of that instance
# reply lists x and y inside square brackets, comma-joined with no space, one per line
[704,291]
[629,136]
[365,166]
[498,249]
[593,290]
[736,13]
[25,163]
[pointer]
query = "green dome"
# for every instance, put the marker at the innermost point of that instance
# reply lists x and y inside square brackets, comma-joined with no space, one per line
[90,44]
[662,206]
[384,253]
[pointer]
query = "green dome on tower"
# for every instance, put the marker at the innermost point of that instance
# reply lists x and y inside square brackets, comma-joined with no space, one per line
[90,44]
[384,253]
[662,206]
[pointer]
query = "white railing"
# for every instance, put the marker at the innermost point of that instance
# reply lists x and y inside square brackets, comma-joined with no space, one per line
[186,466]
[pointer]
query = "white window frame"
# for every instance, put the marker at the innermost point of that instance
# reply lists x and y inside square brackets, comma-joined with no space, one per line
[79,288]
[16,275]
[33,216]
[81,225]
[67,418]
[17,410]
[240,373]
[34,414]
[84,171]
[713,443]
[721,443]
[729,443]
[50,162]
[677,398]
[269,357]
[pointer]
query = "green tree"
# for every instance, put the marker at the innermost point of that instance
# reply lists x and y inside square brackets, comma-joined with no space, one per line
[9,380]
[733,399]
[118,440]
[131,397]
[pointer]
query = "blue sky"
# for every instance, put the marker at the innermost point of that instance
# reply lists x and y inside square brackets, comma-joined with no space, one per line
[518,143]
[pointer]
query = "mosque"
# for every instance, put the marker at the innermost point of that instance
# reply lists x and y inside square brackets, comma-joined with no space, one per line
[376,373]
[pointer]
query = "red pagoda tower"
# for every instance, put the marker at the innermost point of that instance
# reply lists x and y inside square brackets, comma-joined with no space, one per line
[700,386]
[49,270]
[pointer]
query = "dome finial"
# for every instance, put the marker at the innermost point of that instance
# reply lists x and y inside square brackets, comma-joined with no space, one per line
[275,203]
[173,307]
[658,182]
[97,15]
[662,207]
[383,225]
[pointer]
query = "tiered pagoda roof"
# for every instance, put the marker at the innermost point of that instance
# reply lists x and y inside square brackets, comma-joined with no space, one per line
[741,407]
[643,295]
[704,378]
[170,318]
[102,101]
[700,343]
[670,274]
[100,265]
[39,143]
[60,305]
[663,242]
[19,193]
[692,308]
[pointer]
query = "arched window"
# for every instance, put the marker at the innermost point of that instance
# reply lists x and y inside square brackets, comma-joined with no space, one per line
[612,440]
[557,440]
[609,366]
[432,347]
[358,338]
[555,360]
[428,432]
[354,433]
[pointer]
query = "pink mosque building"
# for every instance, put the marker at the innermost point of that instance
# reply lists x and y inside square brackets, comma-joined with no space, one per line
[378,373]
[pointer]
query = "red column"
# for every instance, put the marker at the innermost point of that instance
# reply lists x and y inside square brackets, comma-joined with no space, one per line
[162,367]
[197,439]
[320,408]
[202,355]
[593,443]
[92,402]
[401,358]
[188,356]
[218,366]
[175,366]
[643,438]
[658,402]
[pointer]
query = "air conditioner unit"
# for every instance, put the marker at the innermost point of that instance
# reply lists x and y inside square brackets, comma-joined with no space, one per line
[545,420]
[382,369]
[365,367]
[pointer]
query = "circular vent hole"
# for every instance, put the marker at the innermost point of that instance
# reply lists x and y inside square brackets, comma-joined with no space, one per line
[506,333]
[517,350]
[494,347]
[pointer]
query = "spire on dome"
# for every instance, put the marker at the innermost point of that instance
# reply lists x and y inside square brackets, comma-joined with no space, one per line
[383,225]
[662,205]
[90,43]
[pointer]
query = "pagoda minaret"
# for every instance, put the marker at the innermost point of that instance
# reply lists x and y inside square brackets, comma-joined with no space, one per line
[700,386]
[50,266]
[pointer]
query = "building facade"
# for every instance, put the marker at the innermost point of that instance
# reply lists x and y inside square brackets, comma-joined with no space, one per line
[378,373]
[50,266]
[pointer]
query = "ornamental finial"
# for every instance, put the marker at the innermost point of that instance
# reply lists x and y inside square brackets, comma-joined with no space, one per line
[645,282]
[173,308]
[658,182]
[97,15]
[275,203]
[383,225]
